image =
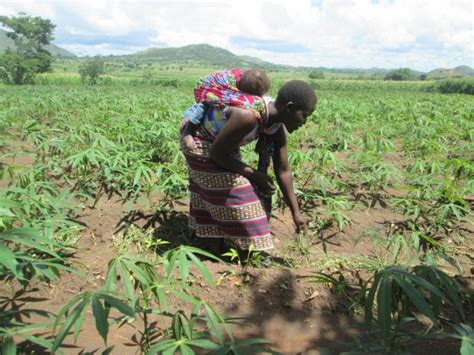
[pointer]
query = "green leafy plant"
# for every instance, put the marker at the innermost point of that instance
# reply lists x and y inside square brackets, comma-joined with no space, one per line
[185,256]
[10,330]
[26,255]
[185,335]
[30,35]
[252,257]
[396,293]
[145,241]
[74,313]
[91,70]
[464,333]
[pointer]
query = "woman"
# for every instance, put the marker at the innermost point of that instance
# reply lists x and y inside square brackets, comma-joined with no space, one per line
[227,194]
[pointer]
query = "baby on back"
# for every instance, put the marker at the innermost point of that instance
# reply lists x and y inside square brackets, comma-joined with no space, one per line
[254,82]
[235,87]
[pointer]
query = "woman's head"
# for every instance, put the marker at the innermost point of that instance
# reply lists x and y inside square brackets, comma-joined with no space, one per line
[295,101]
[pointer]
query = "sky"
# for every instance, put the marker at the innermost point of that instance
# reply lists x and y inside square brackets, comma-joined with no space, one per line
[420,34]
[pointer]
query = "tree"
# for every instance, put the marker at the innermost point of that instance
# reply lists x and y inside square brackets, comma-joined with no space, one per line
[19,65]
[316,74]
[91,70]
[401,74]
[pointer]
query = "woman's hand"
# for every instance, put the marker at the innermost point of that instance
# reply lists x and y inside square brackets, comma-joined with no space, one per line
[301,223]
[263,183]
[189,142]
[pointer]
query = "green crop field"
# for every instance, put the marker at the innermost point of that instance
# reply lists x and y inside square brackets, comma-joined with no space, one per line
[383,170]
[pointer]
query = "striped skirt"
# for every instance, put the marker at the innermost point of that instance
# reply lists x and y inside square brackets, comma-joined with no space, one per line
[224,204]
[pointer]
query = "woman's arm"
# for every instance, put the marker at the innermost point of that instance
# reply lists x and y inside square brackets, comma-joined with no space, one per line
[285,178]
[240,123]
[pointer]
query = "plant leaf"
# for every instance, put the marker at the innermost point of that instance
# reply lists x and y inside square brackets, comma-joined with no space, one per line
[204,344]
[39,341]
[214,320]
[183,266]
[162,345]
[204,271]
[8,346]
[384,306]
[8,259]
[138,273]
[185,350]
[100,316]
[467,346]
[121,306]
[70,320]
[127,284]
[415,297]
[369,302]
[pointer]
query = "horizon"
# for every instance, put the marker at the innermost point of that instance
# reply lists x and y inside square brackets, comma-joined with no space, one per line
[362,34]
[320,67]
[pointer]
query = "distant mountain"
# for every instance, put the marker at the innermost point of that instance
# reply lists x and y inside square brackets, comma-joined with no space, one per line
[56,51]
[377,71]
[465,69]
[204,54]
[462,70]
[211,56]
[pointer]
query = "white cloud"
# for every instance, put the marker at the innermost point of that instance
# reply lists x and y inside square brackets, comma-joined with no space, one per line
[421,34]
[103,48]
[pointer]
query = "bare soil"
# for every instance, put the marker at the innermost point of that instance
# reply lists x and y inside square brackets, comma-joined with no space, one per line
[279,302]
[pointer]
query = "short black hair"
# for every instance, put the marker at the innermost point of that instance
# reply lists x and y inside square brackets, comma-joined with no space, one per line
[254,82]
[299,92]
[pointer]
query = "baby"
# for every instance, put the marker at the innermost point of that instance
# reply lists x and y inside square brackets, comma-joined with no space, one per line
[235,87]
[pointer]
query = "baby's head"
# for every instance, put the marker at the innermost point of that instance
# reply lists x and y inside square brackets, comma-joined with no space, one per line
[254,82]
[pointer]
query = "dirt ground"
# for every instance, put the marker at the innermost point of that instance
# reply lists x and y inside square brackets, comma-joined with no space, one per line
[278,302]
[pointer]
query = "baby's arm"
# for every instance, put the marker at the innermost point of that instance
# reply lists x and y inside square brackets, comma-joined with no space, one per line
[194,115]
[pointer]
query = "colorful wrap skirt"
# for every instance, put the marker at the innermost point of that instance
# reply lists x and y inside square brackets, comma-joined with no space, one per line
[224,204]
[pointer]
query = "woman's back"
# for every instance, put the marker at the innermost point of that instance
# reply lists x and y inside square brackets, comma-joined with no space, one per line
[215,118]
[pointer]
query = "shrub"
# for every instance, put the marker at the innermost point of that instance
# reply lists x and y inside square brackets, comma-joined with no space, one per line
[401,74]
[165,82]
[316,74]
[91,70]
[451,86]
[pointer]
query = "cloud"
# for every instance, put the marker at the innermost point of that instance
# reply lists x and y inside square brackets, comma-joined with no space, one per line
[269,45]
[420,34]
[102,48]
[131,39]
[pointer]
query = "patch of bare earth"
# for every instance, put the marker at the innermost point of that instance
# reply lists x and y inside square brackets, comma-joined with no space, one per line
[279,303]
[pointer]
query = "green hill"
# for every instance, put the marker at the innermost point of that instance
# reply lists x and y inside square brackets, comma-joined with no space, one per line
[461,71]
[201,54]
[56,51]
[205,55]
[210,56]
